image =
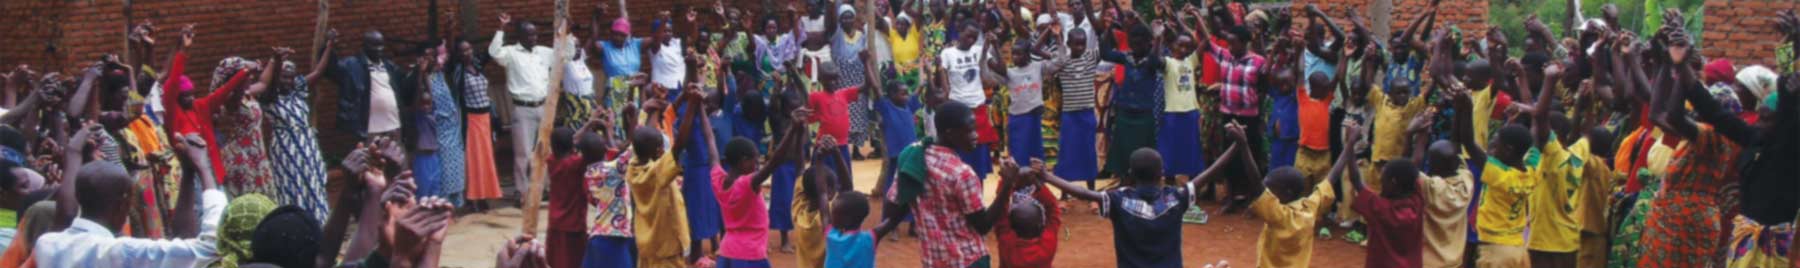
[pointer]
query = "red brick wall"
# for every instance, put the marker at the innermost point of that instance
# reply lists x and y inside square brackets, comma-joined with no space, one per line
[1743,30]
[1468,15]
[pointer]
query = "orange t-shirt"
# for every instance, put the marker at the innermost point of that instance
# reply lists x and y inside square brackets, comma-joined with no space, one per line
[1315,121]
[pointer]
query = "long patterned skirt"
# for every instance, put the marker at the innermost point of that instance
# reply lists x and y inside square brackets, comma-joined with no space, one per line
[1629,232]
[247,168]
[1681,230]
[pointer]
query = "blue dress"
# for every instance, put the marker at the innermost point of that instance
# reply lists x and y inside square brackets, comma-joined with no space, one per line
[448,119]
[704,220]
[294,149]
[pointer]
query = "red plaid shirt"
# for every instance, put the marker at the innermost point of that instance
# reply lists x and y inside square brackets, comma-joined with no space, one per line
[1238,92]
[951,192]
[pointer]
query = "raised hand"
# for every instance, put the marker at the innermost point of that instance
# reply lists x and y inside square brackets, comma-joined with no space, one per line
[505,19]
[187,35]
[1422,123]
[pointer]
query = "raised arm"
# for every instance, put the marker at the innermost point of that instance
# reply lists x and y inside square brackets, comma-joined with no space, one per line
[1465,126]
[1540,117]
[78,105]
[1215,172]
[1352,135]
[1067,187]
[983,220]
[322,60]
[789,140]
[267,78]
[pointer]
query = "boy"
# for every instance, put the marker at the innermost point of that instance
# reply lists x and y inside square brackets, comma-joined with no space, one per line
[898,130]
[1313,107]
[661,222]
[1028,233]
[568,202]
[1393,215]
[1146,213]
[1510,181]
[847,245]
[1447,186]
[1598,181]
[1289,216]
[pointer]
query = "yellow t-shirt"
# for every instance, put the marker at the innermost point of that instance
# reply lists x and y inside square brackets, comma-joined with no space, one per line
[1287,237]
[661,223]
[1554,223]
[1447,217]
[1389,139]
[1501,217]
[1597,184]
[1179,84]
[1482,103]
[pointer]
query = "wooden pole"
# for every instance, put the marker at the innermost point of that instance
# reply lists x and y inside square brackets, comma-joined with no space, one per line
[320,26]
[541,155]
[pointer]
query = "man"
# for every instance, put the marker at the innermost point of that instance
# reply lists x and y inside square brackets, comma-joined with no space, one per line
[949,213]
[527,80]
[367,85]
[99,189]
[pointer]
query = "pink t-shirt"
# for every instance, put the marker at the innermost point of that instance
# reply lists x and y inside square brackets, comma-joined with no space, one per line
[746,218]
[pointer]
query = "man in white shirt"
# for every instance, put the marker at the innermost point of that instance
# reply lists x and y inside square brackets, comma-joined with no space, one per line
[99,190]
[528,81]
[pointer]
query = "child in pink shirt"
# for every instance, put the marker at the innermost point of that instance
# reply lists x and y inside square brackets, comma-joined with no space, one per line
[745,214]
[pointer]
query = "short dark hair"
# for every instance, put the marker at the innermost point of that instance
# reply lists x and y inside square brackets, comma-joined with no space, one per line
[1515,136]
[951,115]
[12,138]
[738,150]
[1406,175]
[7,178]
[562,141]
[850,208]
[288,237]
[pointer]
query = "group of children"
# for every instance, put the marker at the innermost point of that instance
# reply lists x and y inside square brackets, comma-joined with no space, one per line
[1475,158]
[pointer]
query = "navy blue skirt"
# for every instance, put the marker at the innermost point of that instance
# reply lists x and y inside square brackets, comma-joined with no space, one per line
[1077,160]
[1178,140]
[610,252]
[781,197]
[704,220]
[1025,137]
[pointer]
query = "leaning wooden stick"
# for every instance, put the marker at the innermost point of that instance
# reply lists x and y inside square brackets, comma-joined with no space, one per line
[540,158]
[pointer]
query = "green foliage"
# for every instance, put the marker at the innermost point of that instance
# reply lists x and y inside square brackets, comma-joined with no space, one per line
[1641,16]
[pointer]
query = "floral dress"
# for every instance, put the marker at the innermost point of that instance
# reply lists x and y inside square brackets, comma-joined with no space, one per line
[241,146]
[1684,225]
[449,119]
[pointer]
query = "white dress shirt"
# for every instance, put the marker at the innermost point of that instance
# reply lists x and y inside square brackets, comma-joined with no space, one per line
[88,244]
[527,70]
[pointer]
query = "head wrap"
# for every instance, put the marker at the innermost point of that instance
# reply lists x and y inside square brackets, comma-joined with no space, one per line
[1760,80]
[846,10]
[241,218]
[1717,71]
[1044,19]
[907,18]
[229,67]
[621,25]
[183,84]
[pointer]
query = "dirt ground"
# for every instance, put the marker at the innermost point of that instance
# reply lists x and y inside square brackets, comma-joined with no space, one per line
[1087,238]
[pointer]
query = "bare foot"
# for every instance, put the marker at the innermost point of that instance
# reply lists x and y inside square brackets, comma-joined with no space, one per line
[787,249]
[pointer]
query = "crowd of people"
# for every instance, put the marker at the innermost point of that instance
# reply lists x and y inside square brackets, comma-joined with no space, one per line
[1595,148]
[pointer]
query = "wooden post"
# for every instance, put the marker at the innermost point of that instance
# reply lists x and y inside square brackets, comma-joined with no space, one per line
[541,155]
[320,26]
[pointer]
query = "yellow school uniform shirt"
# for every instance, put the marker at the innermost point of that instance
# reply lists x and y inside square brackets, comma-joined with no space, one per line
[1390,130]
[1554,226]
[1501,217]
[1482,102]
[1287,237]
[1179,84]
[1447,217]
[1597,182]
[661,222]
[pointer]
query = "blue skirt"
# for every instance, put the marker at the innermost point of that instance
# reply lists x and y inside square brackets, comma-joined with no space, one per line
[1179,142]
[736,263]
[978,160]
[427,174]
[1025,137]
[781,197]
[1077,160]
[704,220]
[609,252]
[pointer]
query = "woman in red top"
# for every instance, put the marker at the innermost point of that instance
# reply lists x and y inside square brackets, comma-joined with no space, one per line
[185,111]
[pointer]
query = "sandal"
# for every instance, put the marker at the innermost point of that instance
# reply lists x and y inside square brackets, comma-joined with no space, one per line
[1355,237]
[1195,215]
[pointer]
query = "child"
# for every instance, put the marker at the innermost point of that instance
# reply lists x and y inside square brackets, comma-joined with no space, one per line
[1313,107]
[1178,135]
[847,245]
[1146,213]
[1510,181]
[896,113]
[1598,180]
[962,79]
[814,193]
[610,240]
[661,222]
[740,199]
[568,202]
[1447,187]
[832,106]
[702,203]
[1393,215]
[1025,82]
[1074,67]
[1289,216]
[1028,233]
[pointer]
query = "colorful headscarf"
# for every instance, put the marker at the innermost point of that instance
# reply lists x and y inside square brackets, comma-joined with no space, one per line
[621,25]
[235,230]
[229,67]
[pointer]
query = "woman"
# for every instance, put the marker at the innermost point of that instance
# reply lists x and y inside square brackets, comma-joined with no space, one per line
[465,77]
[294,145]
[242,215]
[446,115]
[240,132]
[849,49]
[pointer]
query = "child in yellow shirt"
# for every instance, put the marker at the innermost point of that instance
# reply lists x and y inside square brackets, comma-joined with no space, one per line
[1288,217]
